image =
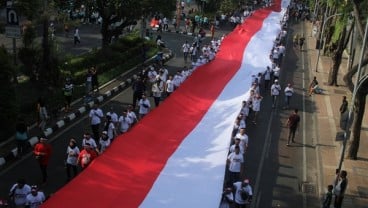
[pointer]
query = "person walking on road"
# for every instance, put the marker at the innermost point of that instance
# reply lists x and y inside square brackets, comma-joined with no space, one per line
[267,78]
[68,92]
[144,106]
[157,89]
[275,92]
[35,198]
[139,88]
[95,116]
[292,124]
[235,160]
[86,156]
[76,36]
[42,152]
[289,91]
[186,48]
[72,153]
[243,193]
[18,193]
[21,136]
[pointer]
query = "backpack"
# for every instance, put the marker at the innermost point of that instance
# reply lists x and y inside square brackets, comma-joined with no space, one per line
[244,195]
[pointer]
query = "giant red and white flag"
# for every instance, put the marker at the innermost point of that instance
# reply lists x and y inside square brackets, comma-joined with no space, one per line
[176,156]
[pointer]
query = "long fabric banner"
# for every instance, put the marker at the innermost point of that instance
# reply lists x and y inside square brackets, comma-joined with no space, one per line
[176,155]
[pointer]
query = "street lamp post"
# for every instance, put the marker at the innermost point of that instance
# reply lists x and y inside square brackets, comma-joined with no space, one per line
[356,86]
[321,36]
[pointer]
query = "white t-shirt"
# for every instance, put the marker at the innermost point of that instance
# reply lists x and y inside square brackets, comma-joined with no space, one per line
[132,116]
[232,148]
[20,195]
[235,162]
[113,115]
[243,139]
[96,115]
[72,155]
[289,91]
[275,89]
[239,189]
[186,47]
[144,106]
[124,123]
[104,144]
[90,141]
[256,104]
[35,201]
[169,86]
[111,130]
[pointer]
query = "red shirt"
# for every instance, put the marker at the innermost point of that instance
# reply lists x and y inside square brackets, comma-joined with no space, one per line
[43,150]
[85,157]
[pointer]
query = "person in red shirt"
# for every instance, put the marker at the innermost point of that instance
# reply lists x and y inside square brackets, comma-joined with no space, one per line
[292,123]
[86,156]
[42,152]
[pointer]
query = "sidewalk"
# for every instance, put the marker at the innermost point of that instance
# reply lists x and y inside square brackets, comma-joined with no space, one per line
[328,141]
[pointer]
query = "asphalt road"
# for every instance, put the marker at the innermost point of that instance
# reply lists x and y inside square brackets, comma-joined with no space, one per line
[281,176]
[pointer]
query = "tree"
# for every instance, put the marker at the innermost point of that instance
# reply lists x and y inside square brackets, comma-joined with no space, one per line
[359,102]
[337,54]
[8,102]
[116,14]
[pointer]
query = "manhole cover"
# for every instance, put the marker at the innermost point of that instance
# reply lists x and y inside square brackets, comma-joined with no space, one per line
[308,188]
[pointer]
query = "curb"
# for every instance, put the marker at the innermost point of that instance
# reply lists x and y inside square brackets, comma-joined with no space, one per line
[81,111]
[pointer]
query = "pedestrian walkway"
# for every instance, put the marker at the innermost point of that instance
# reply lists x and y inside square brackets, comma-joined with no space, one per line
[328,141]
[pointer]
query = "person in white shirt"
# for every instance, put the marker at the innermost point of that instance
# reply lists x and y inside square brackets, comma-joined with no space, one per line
[235,160]
[275,72]
[144,106]
[110,128]
[72,153]
[131,115]
[240,187]
[124,122]
[114,116]
[243,139]
[104,141]
[88,139]
[289,91]
[18,192]
[267,78]
[177,80]
[169,86]
[237,143]
[95,116]
[35,198]
[227,198]
[256,106]
[275,92]
[186,48]
[157,89]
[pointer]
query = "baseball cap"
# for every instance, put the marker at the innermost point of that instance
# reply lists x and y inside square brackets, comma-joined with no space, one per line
[276,80]
[43,138]
[104,132]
